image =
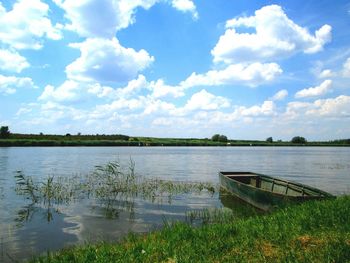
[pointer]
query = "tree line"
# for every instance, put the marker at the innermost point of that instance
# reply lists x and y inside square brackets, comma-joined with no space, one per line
[218,139]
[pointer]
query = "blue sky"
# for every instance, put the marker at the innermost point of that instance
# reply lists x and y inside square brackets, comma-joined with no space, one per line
[176,68]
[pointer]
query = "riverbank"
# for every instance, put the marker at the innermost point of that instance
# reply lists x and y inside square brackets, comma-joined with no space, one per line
[317,231]
[144,142]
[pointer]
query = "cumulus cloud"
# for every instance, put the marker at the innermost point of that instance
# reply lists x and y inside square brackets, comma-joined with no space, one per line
[332,107]
[71,90]
[103,18]
[160,89]
[9,84]
[320,90]
[133,86]
[26,24]
[12,61]
[280,95]
[186,6]
[326,73]
[252,75]
[338,107]
[104,60]
[204,100]
[266,109]
[275,36]
[68,91]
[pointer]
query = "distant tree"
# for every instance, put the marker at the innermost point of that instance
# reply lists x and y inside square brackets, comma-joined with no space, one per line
[79,133]
[41,134]
[215,137]
[222,138]
[299,140]
[68,135]
[4,132]
[269,139]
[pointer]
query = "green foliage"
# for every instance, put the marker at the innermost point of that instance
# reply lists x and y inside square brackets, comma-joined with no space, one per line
[4,132]
[219,138]
[299,140]
[222,138]
[317,231]
[269,139]
[215,137]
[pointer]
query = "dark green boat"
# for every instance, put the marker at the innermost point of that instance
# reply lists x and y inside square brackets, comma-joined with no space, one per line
[266,192]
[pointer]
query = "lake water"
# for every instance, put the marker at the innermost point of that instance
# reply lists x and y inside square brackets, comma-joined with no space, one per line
[27,230]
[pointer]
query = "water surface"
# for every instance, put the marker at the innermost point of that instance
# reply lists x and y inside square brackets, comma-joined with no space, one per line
[26,230]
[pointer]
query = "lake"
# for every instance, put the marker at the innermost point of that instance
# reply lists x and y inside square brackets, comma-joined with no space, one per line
[27,230]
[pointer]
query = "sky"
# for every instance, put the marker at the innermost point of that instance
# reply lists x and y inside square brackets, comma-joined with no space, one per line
[176,68]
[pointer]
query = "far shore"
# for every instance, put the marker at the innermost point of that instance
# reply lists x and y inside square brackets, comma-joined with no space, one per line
[22,140]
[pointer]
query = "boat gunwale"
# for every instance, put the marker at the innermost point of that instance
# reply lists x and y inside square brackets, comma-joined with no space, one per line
[322,193]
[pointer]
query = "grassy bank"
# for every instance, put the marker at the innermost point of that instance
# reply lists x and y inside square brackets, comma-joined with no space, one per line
[143,141]
[312,232]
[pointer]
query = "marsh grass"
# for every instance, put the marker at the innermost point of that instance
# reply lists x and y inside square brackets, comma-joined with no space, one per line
[210,216]
[115,187]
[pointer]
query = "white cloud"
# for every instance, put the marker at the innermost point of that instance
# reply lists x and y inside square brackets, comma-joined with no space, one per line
[26,24]
[101,91]
[160,89]
[23,110]
[68,91]
[185,6]
[71,90]
[9,84]
[252,75]
[320,90]
[12,61]
[333,107]
[133,86]
[275,36]
[204,100]
[280,95]
[326,73]
[266,109]
[103,18]
[105,60]
[157,107]
[346,68]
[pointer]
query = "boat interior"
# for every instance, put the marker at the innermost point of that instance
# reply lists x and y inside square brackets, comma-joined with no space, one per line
[272,184]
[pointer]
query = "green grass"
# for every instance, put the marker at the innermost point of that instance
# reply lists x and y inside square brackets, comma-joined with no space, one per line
[317,231]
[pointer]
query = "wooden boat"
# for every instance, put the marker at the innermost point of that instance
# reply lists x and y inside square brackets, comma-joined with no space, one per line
[266,192]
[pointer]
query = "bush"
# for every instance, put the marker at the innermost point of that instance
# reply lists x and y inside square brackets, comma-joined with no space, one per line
[4,132]
[219,138]
[299,140]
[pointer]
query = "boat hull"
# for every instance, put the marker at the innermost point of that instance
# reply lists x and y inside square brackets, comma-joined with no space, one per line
[264,199]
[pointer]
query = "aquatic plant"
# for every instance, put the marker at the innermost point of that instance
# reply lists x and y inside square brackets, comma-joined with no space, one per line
[210,215]
[114,186]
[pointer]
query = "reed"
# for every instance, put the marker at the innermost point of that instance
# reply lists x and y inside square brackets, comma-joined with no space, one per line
[113,185]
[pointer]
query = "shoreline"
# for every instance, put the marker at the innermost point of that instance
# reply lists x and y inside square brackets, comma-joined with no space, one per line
[315,231]
[160,143]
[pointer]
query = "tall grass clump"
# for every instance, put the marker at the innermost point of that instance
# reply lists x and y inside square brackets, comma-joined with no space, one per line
[114,186]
